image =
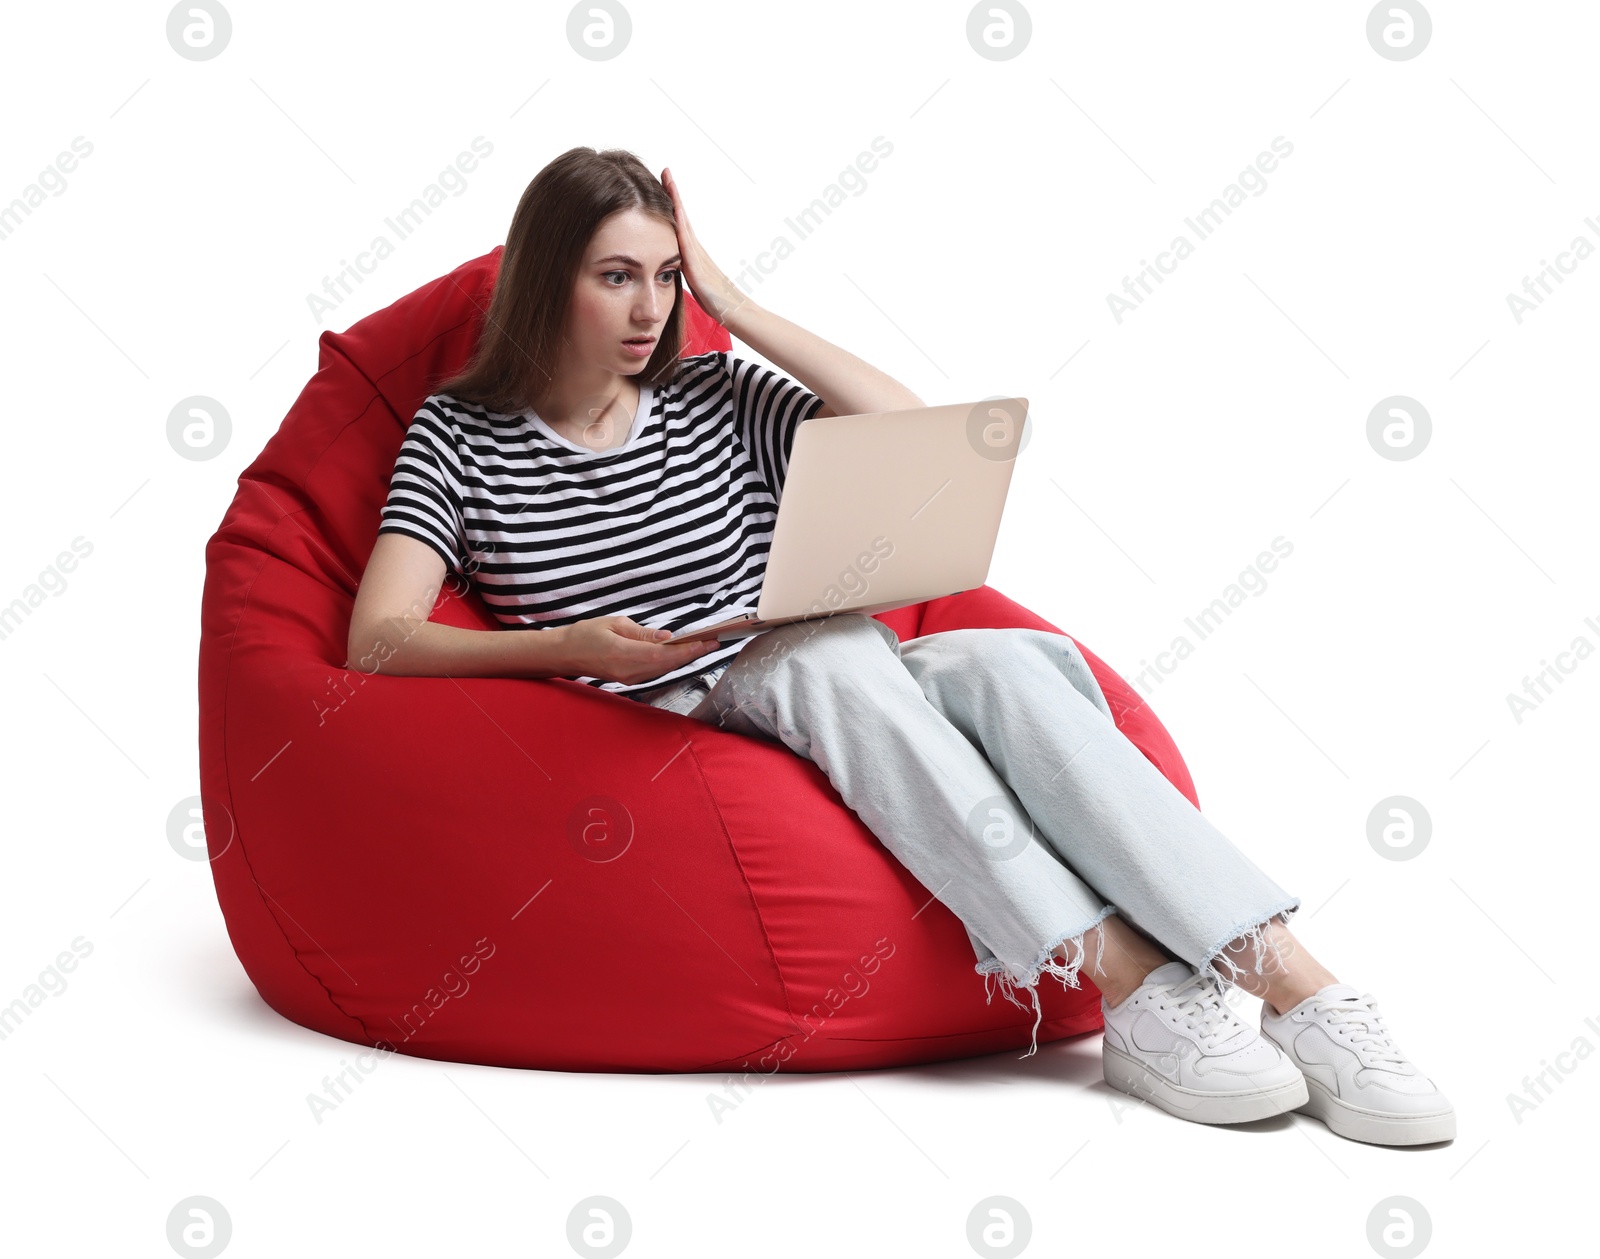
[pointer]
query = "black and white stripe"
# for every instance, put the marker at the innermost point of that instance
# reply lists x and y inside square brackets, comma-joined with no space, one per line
[673,528]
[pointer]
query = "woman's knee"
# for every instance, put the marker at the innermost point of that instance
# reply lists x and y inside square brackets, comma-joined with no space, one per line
[964,653]
[992,663]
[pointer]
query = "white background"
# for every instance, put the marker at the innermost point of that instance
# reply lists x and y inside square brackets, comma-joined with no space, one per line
[1229,409]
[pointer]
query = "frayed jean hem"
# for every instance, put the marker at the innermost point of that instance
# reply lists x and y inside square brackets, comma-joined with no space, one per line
[1255,932]
[1044,964]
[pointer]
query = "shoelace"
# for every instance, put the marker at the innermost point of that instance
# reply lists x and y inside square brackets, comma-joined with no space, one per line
[1364,1029]
[1199,1000]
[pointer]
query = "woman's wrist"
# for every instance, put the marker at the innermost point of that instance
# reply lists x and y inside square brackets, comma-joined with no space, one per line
[728,304]
[545,653]
[560,655]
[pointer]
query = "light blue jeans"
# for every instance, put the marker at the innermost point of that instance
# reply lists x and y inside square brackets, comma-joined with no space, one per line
[988,762]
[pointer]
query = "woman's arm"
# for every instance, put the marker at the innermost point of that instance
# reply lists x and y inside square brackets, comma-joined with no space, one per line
[846,384]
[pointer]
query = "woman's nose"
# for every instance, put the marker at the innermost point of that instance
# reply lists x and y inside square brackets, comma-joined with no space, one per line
[651,308]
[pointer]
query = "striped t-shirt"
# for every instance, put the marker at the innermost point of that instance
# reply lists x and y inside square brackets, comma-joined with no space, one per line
[672,528]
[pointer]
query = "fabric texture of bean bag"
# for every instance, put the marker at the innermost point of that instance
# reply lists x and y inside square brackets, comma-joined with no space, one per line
[533,872]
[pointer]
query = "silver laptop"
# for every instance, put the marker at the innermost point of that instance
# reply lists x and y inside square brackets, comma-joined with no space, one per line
[885,510]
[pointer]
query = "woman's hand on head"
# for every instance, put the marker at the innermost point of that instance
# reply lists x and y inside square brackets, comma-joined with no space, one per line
[719,296]
[619,649]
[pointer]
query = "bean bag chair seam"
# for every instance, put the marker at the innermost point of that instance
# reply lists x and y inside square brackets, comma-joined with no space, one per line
[720,1064]
[378,389]
[393,368]
[238,831]
[331,347]
[289,514]
[750,891]
[378,396]
[301,487]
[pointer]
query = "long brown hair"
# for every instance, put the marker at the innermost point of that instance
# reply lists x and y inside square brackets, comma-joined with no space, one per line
[517,351]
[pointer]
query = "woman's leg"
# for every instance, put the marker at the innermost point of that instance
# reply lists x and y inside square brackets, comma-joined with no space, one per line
[1027,700]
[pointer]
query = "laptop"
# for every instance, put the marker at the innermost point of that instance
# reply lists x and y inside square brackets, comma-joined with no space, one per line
[884,510]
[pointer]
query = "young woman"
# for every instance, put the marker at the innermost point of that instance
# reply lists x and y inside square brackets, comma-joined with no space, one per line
[605,493]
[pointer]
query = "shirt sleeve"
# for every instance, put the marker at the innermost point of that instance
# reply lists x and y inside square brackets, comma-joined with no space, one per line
[425,490]
[767,409]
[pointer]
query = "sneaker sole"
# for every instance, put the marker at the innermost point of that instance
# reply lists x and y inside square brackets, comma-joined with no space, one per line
[1136,1079]
[1376,1127]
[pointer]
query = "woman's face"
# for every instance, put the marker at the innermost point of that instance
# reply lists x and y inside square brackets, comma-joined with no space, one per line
[625,289]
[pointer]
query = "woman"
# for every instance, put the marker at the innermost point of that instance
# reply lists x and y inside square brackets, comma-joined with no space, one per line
[606,493]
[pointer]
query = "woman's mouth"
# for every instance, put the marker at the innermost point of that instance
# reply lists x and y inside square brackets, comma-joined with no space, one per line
[640,347]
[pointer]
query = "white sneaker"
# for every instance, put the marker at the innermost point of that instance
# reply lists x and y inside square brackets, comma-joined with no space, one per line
[1176,1043]
[1361,1085]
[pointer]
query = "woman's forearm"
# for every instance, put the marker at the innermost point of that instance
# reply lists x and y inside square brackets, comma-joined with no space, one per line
[404,647]
[844,382]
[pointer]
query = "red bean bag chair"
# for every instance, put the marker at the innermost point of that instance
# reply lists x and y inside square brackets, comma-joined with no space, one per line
[536,873]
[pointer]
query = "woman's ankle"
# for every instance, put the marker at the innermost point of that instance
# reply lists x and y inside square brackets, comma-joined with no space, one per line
[1275,967]
[1127,960]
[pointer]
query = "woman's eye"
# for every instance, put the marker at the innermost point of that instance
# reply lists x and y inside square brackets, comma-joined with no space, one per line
[671,275]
